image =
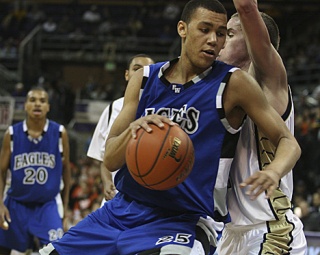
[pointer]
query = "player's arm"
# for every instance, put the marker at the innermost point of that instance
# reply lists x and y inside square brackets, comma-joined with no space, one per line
[66,171]
[4,165]
[120,133]
[125,126]
[96,151]
[106,177]
[267,64]
[245,93]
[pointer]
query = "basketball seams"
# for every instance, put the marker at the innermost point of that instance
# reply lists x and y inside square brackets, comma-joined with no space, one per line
[186,156]
[141,177]
[162,159]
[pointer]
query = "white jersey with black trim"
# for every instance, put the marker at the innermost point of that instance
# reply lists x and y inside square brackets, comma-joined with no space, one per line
[97,145]
[253,153]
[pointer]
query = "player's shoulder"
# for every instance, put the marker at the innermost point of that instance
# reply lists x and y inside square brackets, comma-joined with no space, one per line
[113,105]
[117,103]
[15,128]
[53,125]
[240,78]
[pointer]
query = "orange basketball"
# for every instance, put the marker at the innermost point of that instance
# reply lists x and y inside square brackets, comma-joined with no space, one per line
[161,159]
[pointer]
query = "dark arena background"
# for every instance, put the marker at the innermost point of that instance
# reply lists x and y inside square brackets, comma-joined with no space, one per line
[81,61]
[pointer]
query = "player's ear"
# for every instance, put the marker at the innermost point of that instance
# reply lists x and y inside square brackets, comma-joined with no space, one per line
[182,28]
[126,75]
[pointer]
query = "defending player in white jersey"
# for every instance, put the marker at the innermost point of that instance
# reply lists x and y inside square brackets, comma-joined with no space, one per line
[110,113]
[264,225]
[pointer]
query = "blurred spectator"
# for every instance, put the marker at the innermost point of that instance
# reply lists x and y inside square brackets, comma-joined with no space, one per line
[62,101]
[103,92]
[19,90]
[9,48]
[92,15]
[171,11]
[105,27]
[89,88]
[312,221]
[135,24]
[36,15]
[49,26]
[77,34]
[91,19]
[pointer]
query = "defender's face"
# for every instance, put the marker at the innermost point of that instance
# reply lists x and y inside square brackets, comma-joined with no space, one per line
[203,37]
[37,104]
[235,50]
[136,64]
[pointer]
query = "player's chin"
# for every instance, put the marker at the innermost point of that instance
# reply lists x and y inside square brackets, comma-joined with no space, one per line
[207,61]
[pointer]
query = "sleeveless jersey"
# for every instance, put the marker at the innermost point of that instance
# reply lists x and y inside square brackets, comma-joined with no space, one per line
[254,152]
[197,107]
[110,113]
[35,163]
[97,145]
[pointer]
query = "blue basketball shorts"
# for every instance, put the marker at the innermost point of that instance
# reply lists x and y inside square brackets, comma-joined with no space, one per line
[28,221]
[123,227]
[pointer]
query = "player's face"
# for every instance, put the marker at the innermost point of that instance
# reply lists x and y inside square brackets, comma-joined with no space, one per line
[37,104]
[203,37]
[136,64]
[235,50]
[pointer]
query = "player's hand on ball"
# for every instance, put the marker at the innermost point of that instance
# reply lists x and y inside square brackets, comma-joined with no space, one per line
[260,182]
[144,122]
[161,159]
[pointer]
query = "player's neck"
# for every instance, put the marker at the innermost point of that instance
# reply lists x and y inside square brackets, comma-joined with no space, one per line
[182,72]
[35,127]
[245,66]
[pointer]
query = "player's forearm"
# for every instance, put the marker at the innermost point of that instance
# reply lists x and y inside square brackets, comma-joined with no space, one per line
[114,156]
[3,178]
[106,175]
[65,199]
[245,6]
[287,154]
[67,185]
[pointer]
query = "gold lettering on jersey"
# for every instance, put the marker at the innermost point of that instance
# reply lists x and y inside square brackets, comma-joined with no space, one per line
[34,159]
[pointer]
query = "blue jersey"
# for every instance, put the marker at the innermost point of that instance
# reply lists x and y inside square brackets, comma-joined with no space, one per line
[138,219]
[36,163]
[197,107]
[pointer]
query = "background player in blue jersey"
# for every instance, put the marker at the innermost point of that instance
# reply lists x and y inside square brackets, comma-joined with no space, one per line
[209,100]
[36,151]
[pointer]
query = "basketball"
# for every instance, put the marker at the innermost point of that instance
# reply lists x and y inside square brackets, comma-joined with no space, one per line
[161,159]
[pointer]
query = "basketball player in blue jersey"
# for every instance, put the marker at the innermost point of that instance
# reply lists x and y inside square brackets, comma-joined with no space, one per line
[36,151]
[209,100]
[266,226]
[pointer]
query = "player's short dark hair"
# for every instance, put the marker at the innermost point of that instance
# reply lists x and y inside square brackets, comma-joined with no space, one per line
[193,5]
[141,55]
[36,88]
[272,28]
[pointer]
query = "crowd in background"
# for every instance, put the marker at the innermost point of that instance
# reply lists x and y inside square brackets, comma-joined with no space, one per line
[87,191]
